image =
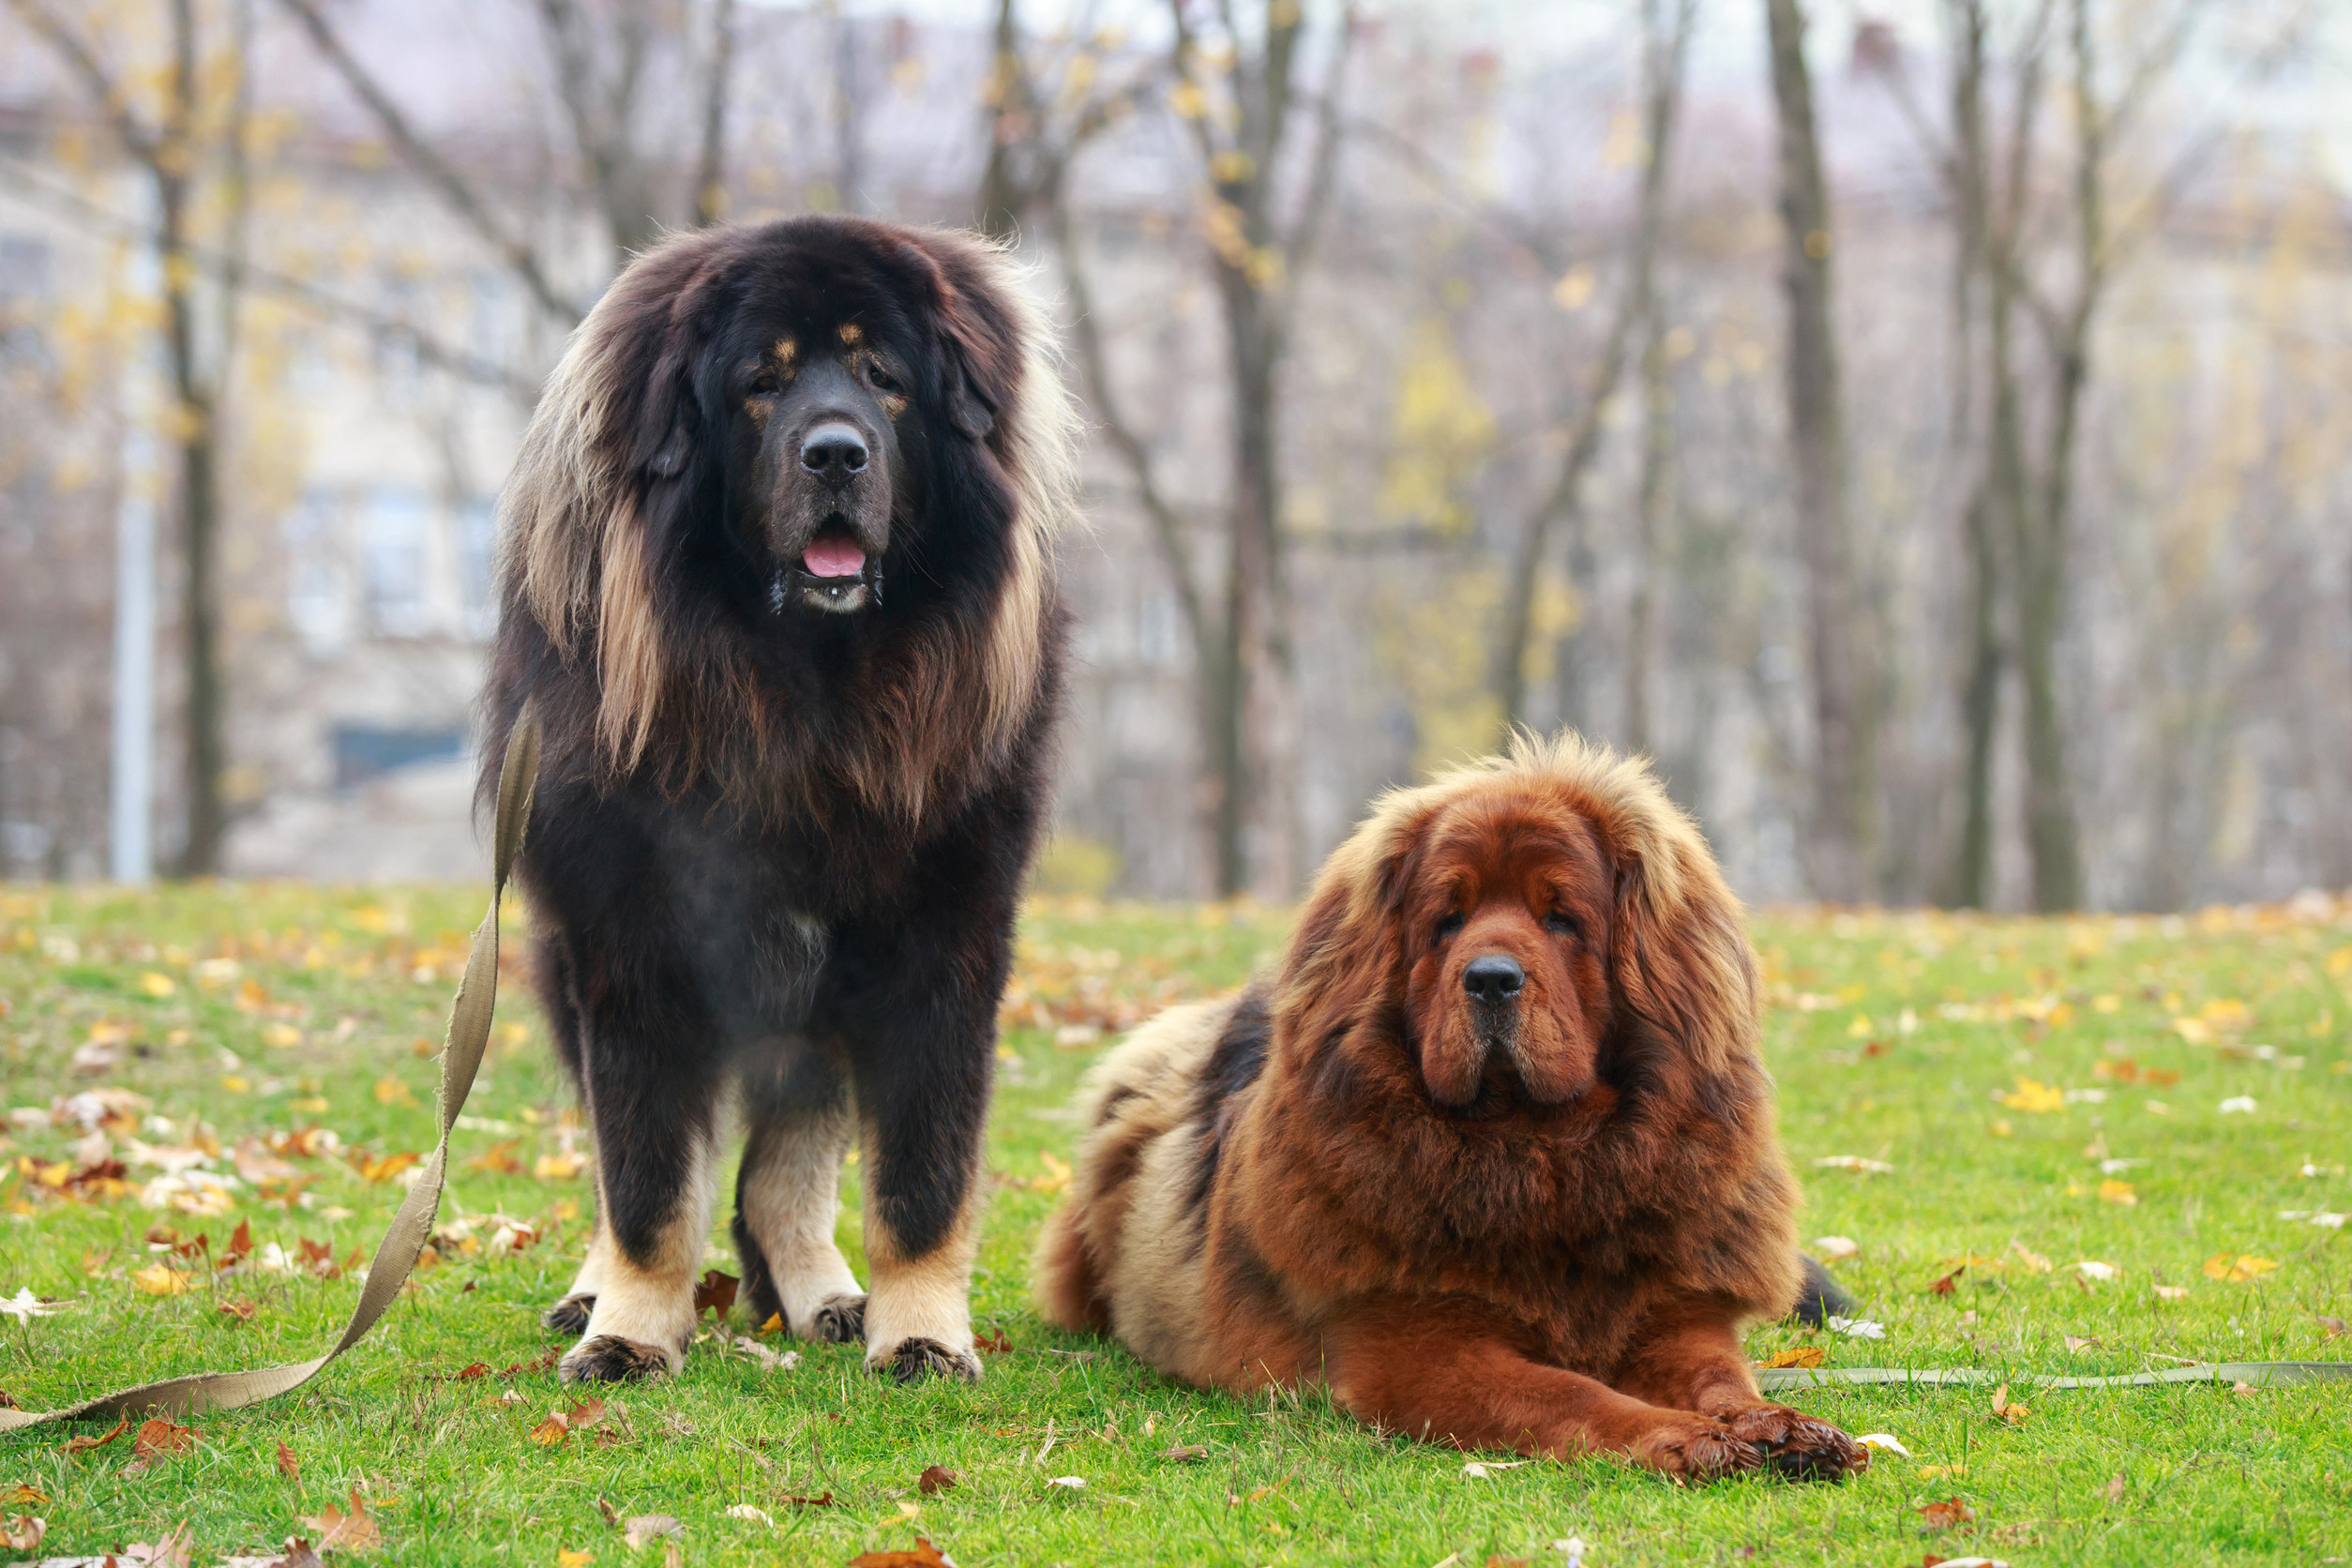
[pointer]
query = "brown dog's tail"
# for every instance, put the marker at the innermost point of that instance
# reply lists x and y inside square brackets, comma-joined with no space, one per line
[1819,1297]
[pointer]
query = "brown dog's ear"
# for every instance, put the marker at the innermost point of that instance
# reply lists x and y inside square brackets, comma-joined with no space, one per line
[1682,958]
[1348,943]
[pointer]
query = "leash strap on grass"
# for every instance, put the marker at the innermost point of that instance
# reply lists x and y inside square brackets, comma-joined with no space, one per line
[2257,1374]
[397,1254]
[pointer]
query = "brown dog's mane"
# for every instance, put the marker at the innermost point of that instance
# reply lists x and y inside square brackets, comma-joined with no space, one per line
[1342,1171]
[675,693]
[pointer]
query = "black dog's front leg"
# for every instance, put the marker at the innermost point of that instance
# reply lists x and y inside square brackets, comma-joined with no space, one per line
[651,1078]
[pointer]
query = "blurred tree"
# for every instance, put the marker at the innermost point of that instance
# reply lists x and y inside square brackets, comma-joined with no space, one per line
[1842,840]
[171,146]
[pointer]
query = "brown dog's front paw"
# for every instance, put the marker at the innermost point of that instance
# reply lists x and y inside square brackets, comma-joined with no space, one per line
[1796,1445]
[571,1315]
[610,1358]
[1698,1449]
[912,1360]
[840,1321]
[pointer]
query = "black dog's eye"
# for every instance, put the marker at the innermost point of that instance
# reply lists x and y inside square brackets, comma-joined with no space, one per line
[1447,925]
[764,384]
[883,381]
[1563,923]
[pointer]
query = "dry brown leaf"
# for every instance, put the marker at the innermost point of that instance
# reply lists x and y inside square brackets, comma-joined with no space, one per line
[1497,1560]
[468,1373]
[338,1532]
[78,1445]
[24,1532]
[499,1159]
[716,1289]
[288,1466]
[1945,1515]
[825,1501]
[160,1437]
[2115,1489]
[994,1344]
[925,1555]
[23,1495]
[642,1528]
[161,1279]
[552,1432]
[298,1554]
[239,1308]
[2075,1345]
[2008,1408]
[1950,1282]
[2334,1328]
[1184,1453]
[935,1478]
[1803,1355]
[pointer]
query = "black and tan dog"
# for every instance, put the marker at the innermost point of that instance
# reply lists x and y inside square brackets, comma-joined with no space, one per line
[777,584]
[1491,1157]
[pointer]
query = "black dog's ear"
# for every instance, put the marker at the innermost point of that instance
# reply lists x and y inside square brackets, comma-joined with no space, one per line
[968,408]
[670,459]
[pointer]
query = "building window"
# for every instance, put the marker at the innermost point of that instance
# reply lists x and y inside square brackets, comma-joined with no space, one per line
[394,531]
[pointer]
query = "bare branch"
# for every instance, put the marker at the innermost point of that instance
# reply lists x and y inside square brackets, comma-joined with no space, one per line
[436,170]
[144,145]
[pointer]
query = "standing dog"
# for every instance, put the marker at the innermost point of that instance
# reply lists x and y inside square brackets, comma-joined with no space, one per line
[777,585]
[1492,1156]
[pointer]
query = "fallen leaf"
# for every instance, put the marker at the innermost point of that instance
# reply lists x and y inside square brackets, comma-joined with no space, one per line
[24,1532]
[925,1555]
[2171,1293]
[288,1466]
[2334,1328]
[1803,1355]
[240,1247]
[1479,1469]
[718,1290]
[935,1478]
[2036,1097]
[2238,1268]
[1068,1482]
[161,1279]
[1887,1441]
[499,1159]
[1497,1560]
[239,1308]
[994,1344]
[382,1168]
[774,1325]
[2117,1192]
[339,1532]
[1856,1328]
[1950,1282]
[298,1554]
[755,1515]
[2031,1260]
[1831,1250]
[23,1495]
[649,1527]
[1184,1453]
[1945,1515]
[824,1500]
[2007,1408]
[2075,1346]
[566,1557]
[559,1166]
[552,1432]
[78,1445]
[172,1551]
[160,1437]
[2115,1489]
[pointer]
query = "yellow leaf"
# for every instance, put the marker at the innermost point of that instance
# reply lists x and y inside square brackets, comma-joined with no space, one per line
[559,1167]
[2105,1003]
[566,1557]
[2117,1192]
[2238,1268]
[2194,1031]
[1805,1355]
[162,1280]
[1859,1028]
[281,1035]
[2031,1095]
[156,985]
[235,1084]
[392,1091]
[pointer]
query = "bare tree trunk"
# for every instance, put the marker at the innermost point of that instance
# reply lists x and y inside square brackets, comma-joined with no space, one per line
[2050,828]
[709,173]
[1970,886]
[1663,56]
[1657,451]
[1012,130]
[1843,848]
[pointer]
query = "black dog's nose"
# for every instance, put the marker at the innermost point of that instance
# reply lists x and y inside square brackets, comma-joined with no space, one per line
[1494,977]
[834,452]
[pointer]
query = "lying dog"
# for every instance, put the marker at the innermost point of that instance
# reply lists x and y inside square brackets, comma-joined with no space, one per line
[1492,1156]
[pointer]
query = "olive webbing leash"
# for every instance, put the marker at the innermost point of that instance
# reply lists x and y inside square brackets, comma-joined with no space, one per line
[2256,1374]
[395,1255]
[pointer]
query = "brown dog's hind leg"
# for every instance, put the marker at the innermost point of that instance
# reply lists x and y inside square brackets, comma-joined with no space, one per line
[1691,1360]
[1447,1382]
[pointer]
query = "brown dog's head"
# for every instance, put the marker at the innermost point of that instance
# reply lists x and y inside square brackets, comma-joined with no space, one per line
[1526,928]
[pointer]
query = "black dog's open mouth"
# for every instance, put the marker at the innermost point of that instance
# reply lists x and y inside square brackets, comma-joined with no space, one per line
[834,575]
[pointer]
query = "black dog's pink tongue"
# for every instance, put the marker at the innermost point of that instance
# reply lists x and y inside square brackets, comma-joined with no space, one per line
[834,558]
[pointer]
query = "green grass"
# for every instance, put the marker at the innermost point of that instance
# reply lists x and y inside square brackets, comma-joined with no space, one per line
[1889,1038]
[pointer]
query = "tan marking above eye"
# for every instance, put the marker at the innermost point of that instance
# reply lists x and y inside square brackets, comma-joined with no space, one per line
[788,352]
[852,333]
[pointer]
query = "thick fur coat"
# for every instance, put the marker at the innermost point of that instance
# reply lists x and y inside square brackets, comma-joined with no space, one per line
[1492,1155]
[778,587]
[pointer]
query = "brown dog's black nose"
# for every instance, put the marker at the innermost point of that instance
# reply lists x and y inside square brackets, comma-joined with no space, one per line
[1493,977]
[834,452]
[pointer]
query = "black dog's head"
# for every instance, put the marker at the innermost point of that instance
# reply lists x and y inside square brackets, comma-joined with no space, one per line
[817,429]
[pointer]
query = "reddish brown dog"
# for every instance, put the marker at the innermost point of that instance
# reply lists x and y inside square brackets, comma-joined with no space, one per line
[1492,1156]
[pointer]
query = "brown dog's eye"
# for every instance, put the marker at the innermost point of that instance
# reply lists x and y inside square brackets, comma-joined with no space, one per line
[1566,925]
[1448,924]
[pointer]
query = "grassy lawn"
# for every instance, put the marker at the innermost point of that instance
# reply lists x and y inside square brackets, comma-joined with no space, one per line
[2052,1098]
